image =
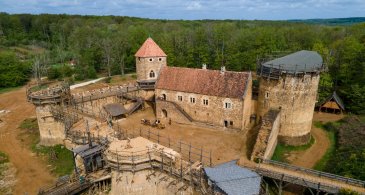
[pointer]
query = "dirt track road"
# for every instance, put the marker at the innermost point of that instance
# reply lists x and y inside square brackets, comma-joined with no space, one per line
[32,173]
[310,157]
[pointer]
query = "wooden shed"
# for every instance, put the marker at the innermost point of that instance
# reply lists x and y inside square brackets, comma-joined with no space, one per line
[115,111]
[333,104]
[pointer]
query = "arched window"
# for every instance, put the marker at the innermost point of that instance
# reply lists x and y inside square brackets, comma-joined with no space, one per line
[227,104]
[152,74]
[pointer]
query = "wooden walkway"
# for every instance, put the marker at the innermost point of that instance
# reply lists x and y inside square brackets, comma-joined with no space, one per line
[309,178]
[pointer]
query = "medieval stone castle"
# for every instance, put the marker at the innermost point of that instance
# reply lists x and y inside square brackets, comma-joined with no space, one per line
[222,98]
[276,103]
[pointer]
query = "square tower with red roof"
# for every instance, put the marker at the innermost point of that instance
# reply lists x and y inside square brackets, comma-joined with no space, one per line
[150,58]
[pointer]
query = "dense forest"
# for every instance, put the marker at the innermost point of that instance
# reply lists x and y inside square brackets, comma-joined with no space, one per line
[106,44]
[349,155]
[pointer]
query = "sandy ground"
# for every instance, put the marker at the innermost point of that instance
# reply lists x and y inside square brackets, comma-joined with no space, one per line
[311,156]
[225,145]
[32,173]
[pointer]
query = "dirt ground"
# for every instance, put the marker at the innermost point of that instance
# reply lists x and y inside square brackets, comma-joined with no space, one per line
[225,145]
[32,173]
[311,156]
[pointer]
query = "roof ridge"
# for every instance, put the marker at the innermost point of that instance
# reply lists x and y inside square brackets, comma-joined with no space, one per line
[150,49]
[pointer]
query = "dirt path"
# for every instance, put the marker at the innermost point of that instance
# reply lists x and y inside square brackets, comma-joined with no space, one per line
[32,173]
[310,157]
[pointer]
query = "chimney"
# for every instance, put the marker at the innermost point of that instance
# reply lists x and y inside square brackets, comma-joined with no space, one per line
[223,69]
[204,66]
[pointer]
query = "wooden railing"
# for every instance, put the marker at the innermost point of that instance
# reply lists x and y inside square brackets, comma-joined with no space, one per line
[316,173]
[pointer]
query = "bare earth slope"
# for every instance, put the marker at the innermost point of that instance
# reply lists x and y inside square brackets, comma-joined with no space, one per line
[32,173]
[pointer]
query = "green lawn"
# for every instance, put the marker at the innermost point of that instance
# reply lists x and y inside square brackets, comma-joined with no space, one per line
[281,150]
[8,89]
[59,157]
[320,165]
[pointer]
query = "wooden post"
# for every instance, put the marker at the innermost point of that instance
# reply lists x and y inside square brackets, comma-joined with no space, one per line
[170,166]
[149,156]
[181,173]
[210,157]
[169,143]
[180,146]
[191,175]
[158,136]
[116,152]
[161,161]
[201,154]
[133,162]
[189,151]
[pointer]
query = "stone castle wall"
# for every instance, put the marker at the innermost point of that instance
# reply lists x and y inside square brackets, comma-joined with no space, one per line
[145,65]
[267,137]
[52,132]
[214,113]
[296,97]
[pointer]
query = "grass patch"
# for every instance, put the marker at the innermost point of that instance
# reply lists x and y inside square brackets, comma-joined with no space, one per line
[38,88]
[281,150]
[29,124]
[59,157]
[8,89]
[321,164]
[3,158]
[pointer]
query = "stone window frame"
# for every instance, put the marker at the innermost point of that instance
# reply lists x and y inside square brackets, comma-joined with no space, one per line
[149,74]
[160,59]
[150,59]
[178,95]
[267,94]
[227,102]
[205,99]
[192,99]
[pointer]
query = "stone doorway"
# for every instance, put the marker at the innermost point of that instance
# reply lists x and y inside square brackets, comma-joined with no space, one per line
[226,123]
[164,113]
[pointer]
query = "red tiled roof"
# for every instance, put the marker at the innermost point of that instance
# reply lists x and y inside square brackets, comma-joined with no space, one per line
[150,49]
[203,81]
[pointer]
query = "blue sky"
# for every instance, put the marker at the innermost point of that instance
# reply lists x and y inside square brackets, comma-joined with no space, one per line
[194,9]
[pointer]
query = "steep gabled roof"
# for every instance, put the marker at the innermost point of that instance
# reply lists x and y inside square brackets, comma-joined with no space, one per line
[202,81]
[336,98]
[150,49]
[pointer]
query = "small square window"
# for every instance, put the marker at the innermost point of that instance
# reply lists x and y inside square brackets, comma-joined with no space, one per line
[160,59]
[180,98]
[150,59]
[192,99]
[205,102]
[231,123]
[228,105]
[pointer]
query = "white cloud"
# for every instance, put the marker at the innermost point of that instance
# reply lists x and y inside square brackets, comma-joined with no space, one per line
[184,9]
[195,5]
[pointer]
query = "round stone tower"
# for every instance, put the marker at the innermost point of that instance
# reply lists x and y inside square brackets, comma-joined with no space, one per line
[290,83]
[150,58]
[52,130]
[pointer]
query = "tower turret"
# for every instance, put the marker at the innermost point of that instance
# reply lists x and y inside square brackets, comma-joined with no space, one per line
[150,58]
[290,83]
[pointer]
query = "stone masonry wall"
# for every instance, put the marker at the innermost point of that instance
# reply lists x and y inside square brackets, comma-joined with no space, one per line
[51,132]
[213,113]
[267,137]
[144,67]
[296,97]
